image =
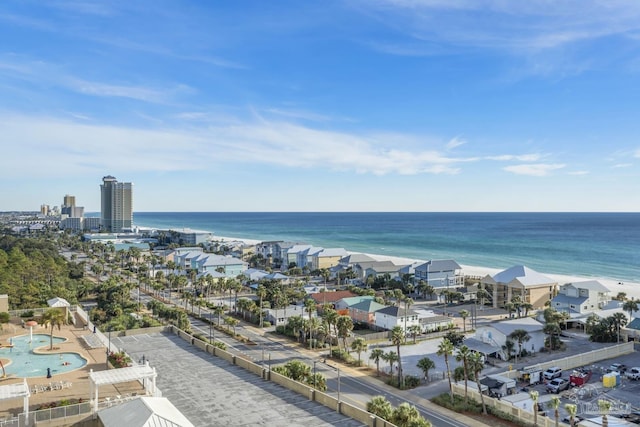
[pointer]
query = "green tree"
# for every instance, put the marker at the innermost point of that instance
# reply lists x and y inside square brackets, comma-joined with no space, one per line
[604,406]
[397,338]
[462,355]
[403,414]
[477,365]
[426,364]
[554,404]
[344,324]
[375,355]
[380,406]
[445,349]
[534,398]
[230,321]
[310,308]
[414,330]
[359,345]
[630,306]
[390,357]
[52,318]
[572,410]
[464,314]
[520,336]
[261,292]
[218,310]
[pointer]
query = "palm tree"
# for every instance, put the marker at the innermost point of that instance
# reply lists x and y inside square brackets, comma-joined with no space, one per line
[359,345]
[403,414]
[310,308]
[446,349]
[344,324]
[261,292]
[218,310]
[408,302]
[526,306]
[414,330]
[477,364]
[397,338]
[630,306]
[464,314]
[572,410]
[391,357]
[230,321]
[426,364]
[463,354]
[54,317]
[554,404]
[534,398]
[520,336]
[604,406]
[376,355]
[380,406]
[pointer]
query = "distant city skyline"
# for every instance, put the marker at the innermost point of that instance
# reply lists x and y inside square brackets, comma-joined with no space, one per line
[340,105]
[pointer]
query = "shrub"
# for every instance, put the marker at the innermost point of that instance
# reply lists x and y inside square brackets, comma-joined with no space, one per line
[340,354]
[28,313]
[119,360]
[411,381]
[266,324]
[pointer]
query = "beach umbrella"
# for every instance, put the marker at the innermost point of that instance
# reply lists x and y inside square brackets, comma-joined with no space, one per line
[31,324]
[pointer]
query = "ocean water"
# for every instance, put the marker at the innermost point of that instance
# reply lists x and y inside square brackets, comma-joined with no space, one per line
[605,245]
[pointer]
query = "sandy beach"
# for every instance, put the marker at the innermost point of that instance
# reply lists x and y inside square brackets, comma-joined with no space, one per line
[631,289]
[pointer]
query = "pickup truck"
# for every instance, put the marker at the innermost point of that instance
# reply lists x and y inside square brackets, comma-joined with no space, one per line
[551,373]
[617,367]
[557,385]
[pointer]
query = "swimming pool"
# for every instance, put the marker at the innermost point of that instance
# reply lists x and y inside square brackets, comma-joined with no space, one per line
[24,363]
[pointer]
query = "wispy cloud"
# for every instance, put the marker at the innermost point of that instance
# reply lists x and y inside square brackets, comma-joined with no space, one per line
[533,169]
[82,147]
[532,157]
[142,93]
[622,165]
[455,142]
[535,30]
[41,72]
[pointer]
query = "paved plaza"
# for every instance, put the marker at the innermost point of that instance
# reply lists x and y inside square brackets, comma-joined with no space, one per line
[211,391]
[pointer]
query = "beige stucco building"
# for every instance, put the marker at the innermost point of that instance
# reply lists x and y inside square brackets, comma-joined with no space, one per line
[532,287]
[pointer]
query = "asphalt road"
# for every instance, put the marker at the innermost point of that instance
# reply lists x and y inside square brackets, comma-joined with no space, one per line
[269,351]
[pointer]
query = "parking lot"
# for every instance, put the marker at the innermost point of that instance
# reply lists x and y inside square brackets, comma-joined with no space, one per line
[586,397]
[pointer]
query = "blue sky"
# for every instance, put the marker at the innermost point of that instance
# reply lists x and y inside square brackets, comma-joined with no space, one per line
[352,105]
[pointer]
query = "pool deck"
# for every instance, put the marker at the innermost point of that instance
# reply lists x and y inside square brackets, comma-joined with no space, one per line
[79,379]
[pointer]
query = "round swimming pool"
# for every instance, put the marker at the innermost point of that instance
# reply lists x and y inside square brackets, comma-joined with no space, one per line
[21,361]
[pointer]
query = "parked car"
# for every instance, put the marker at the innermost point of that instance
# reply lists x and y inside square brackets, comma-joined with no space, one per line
[576,419]
[553,372]
[633,373]
[557,385]
[617,367]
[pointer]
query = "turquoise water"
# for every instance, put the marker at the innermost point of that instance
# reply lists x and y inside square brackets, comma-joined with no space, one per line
[24,363]
[605,245]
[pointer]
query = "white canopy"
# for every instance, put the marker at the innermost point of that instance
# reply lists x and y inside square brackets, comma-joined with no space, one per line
[58,302]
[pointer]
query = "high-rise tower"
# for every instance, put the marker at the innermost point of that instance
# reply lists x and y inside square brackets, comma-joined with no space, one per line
[116,213]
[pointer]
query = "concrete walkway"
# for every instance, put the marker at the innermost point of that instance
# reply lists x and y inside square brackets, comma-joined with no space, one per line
[210,391]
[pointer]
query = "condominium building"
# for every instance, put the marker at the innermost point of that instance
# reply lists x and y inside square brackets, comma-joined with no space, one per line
[116,213]
[70,209]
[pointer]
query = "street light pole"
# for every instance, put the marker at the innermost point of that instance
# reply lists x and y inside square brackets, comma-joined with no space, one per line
[210,328]
[314,374]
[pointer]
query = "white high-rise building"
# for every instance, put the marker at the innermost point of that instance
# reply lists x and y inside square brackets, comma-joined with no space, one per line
[116,213]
